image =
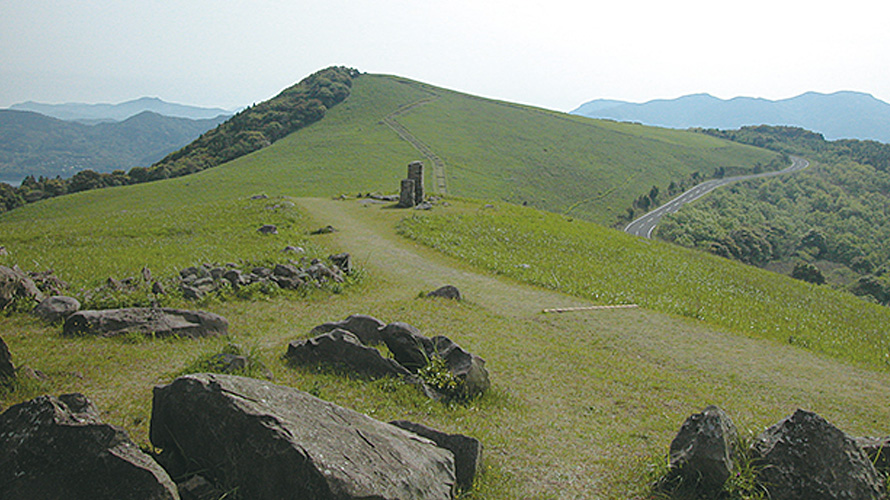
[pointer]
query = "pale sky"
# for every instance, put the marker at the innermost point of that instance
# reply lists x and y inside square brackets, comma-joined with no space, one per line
[556,54]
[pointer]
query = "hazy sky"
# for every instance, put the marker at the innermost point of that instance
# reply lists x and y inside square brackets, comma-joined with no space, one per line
[555,54]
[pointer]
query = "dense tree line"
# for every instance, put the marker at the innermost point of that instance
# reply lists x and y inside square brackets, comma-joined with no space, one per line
[251,129]
[830,222]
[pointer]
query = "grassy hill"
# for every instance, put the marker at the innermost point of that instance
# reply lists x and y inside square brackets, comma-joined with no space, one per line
[582,405]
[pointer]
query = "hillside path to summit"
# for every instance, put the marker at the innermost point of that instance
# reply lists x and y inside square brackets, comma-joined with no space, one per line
[591,393]
[645,225]
[426,151]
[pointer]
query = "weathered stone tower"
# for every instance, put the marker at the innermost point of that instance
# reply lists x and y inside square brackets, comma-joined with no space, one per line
[415,173]
[411,190]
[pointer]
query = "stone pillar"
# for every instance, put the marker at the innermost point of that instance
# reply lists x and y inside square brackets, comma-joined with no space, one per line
[415,173]
[407,193]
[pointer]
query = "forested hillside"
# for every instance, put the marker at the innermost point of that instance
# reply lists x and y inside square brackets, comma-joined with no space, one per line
[829,223]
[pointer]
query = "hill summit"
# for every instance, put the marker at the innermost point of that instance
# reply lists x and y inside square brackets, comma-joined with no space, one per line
[841,115]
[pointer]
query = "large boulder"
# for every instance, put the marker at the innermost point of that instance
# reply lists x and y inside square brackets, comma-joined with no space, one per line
[274,442]
[57,448]
[468,369]
[366,328]
[342,348]
[56,308]
[15,285]
[7,370]
[407,345]
[804,457]
[161,322]
[703,454]
[446,292]
[467,450]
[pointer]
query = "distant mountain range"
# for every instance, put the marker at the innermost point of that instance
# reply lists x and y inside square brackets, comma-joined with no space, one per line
[97,113]
[841,115]
[39,145]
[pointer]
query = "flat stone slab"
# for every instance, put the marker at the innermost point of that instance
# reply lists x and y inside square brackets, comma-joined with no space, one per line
[274,442]
[160,322]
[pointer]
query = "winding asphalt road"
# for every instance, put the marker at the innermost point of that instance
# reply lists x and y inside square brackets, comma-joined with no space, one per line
[646,224]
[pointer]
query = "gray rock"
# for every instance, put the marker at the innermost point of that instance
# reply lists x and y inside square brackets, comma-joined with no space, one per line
[190,292]
[288,283]
[446,292]
[268,229]
[286,270]
[323,273]
[468,368]
[278,443]
[161,322]
[56,308]
[293,249]
[323,230]
[467,451]
[366,328]
[343,261]
[804,457]
[262,272]
[407,345]
[198,488]
[415,173]
[7,369]
[158,289]
[228,362]
[704,452]
[15,285]
[58,448]
[342,348]
[406,193]
[878,451]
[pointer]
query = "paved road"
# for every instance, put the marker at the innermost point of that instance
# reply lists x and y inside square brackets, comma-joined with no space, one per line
[646,224]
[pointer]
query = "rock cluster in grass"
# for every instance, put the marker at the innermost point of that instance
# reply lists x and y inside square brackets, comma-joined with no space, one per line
[197,282]
[224,435]
[441,367]
[801,457]
[16,285]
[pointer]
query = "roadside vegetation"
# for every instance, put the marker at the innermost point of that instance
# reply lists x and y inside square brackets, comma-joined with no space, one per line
[826,224]
[610,267]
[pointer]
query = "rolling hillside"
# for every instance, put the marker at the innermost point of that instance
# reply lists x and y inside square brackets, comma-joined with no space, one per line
[582,405]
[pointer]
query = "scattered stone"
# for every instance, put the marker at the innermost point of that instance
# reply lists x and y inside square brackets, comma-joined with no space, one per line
[158,289]
[381,197]
[467,450]
[274,442]
[878,451]
[366,328]
[407,345]
[268,229]
[161,322]
[323,230]
[48,283]
[16,285]
[57,447]
[322,273]
[3,251]
[805,457]
[293,249]
[425,205]
[7,369]
[468,368]
[343,262]
[146,275]
[703,454]
[56,308]
[342,348]
[446,292]
[259,197]
[228,362]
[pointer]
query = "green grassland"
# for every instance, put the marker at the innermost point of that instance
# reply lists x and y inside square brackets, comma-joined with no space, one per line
[582,405]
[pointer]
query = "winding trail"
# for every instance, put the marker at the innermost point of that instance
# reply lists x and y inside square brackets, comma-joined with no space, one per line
[645,225]
[426,151]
